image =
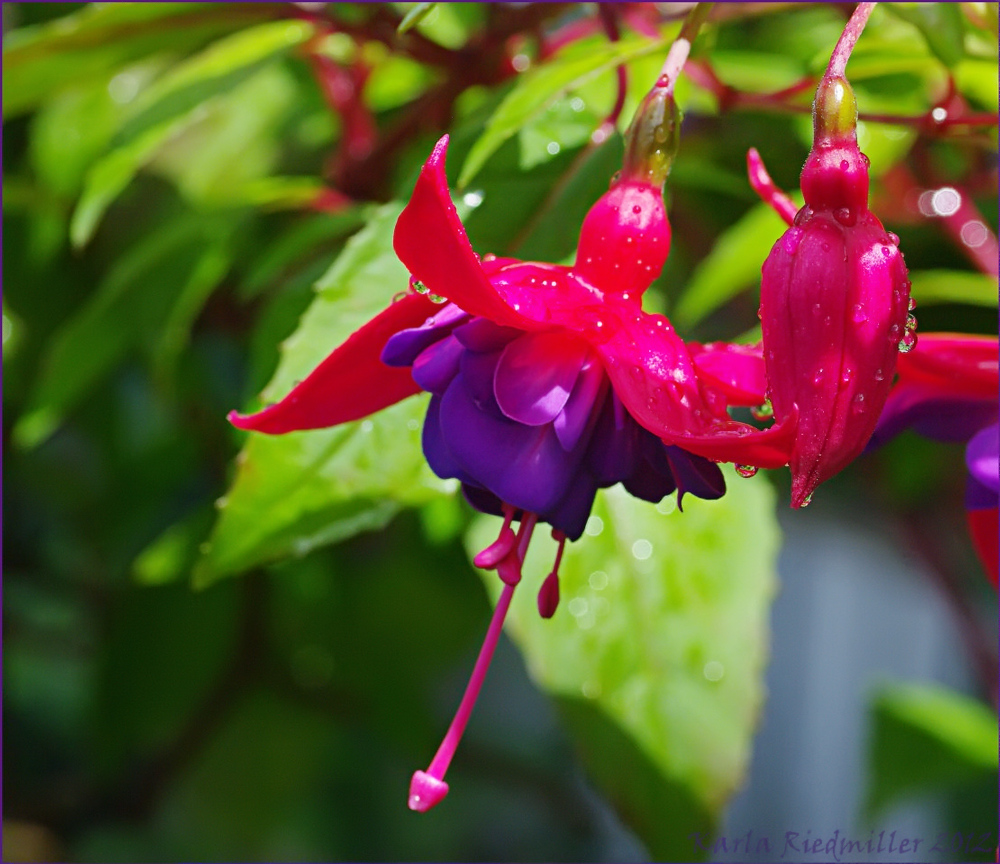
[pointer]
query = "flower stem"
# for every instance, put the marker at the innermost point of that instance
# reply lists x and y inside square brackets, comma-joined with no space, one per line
[845,45]
[678,54]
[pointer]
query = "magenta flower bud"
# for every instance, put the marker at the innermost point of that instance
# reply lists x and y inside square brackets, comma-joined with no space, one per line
[834,303]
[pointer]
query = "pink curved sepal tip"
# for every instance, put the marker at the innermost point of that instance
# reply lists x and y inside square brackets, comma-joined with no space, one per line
[426,792]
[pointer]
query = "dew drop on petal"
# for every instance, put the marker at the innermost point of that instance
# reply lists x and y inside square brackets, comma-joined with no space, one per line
[420,288]
[807,501]
[858,314]
[762,412]
[879,375]
[908,342]
[893,239]
[913,303]
[746,470]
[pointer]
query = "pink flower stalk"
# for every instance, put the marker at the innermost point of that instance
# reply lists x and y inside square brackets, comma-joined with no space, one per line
[835,296]
[547,382]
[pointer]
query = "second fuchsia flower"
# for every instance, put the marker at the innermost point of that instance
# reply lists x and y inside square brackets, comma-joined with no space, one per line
[835,301]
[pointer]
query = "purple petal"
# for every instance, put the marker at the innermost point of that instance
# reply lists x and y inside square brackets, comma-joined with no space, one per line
[403,347]
[983,458]
[580,414]
[928,413]
[536,374]
[481,334]
[436,451]
[694,474]
[477,371]
[571,513]
[522,465]
[649,484]
[437,364]
[613,452]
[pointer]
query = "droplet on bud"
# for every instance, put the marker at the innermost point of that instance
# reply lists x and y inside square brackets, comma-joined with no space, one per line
[746,470]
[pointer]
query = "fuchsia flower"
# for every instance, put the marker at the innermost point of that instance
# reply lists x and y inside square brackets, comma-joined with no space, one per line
[834,300]
[948,391]
[547,382]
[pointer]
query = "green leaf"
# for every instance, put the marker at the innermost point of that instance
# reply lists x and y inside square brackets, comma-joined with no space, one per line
[953,286]
[925,737]
[733,264]
[295,492]
[41,61]
[171,105]
[414,17]
[940,24]
[179,260]
[662,634]
[537,88]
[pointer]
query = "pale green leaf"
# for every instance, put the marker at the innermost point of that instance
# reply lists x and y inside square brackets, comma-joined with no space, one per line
[178,260]
[925,737]
[41,61]
[295,492]
[174,103]
[662,629]
[953,286]
[539,87]
[733,264]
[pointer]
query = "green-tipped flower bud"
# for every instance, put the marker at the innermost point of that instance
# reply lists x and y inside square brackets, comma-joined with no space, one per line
[835,110]
[652,138]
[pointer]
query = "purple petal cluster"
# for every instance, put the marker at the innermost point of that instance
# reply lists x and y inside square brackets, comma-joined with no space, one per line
[529,419]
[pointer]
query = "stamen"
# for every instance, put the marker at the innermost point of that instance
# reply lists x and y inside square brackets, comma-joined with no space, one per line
[548,594]
[428,788]
[493,554]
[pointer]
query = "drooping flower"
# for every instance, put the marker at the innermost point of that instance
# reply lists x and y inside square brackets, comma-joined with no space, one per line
[834,302]
[948,391]
[547,382]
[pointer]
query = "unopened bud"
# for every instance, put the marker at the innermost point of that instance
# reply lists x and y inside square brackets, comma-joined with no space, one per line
[653,137]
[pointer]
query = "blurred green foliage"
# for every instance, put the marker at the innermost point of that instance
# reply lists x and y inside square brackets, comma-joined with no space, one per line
[185,221]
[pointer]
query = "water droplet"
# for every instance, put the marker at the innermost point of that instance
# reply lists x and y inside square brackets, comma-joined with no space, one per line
[746,470]
[635,372]
[420,288]
[866,160]
[818,377]
[399,295]
[791,240]
[908,342]
[911,321]
[808,500]
[858,404]
[858,314]
[893,239]
[879,375]
[886,251]
[912,304]
[763,412]
[437,298]
[629,241]
[844,164]
[845,216]
[847,375]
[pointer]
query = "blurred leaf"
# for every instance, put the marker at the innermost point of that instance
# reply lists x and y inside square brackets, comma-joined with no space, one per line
[414,16]
[172,104]
[164,649]
[73,128]
[295,492]
[756,71]
[977,79]
[925,737]
[538,87]
[180,260]
[941,25]
[565,124]
[40,61]
[221,158]
[662,628]
[953,286]
[733,264]
[170,556]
